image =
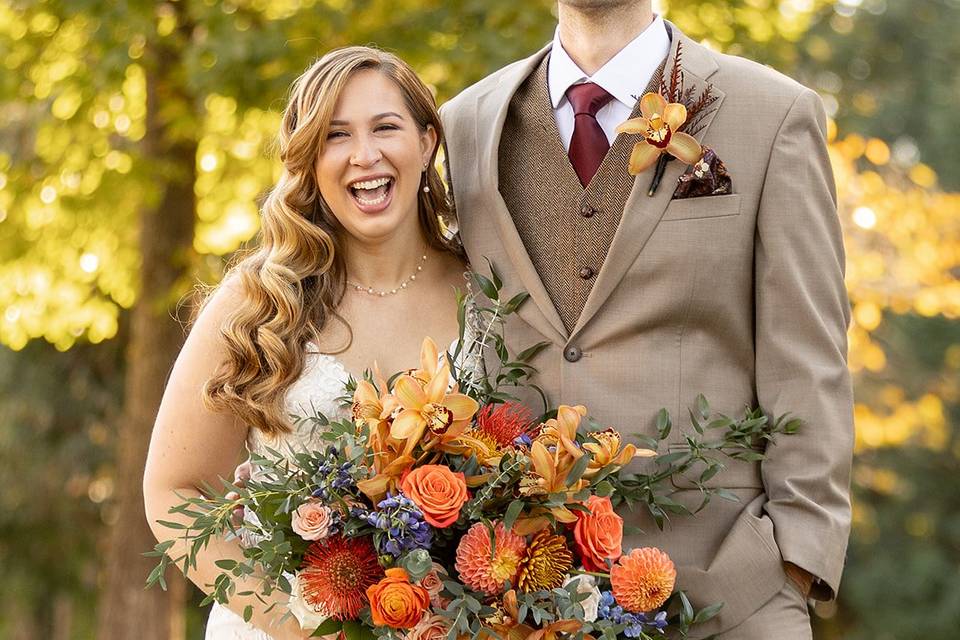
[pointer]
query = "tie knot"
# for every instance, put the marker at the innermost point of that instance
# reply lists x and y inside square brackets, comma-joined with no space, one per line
[587,98]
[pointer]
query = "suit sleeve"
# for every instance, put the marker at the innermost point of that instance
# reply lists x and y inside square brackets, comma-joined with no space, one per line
[802,315]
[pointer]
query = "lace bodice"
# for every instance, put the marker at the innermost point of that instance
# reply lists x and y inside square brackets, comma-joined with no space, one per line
[316,391]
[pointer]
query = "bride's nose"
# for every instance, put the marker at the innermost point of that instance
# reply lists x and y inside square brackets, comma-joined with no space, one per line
[365,153]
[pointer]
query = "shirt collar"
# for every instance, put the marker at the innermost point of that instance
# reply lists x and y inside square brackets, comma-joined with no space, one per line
[625,76]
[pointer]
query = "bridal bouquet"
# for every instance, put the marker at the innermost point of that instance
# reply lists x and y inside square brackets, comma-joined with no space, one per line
[441,509]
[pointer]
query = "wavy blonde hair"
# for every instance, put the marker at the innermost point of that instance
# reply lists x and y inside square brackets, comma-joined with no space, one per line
[293,280]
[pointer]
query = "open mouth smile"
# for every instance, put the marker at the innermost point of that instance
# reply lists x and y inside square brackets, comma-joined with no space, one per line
[372,195]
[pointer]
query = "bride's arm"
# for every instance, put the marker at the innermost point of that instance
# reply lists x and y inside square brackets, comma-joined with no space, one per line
[191,445]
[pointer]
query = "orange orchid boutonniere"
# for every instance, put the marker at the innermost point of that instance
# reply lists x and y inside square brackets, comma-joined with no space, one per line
[659,125]
[669,120]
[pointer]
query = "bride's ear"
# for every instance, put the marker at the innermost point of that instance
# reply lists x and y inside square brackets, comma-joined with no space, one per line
[428,143]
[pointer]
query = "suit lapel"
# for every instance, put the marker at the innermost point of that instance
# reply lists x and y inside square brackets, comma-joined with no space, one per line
[642,213]
[491,114]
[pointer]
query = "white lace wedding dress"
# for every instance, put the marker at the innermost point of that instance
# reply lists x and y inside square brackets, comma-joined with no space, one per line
[316,390]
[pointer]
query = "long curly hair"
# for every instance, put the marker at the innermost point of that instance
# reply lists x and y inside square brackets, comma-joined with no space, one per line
[294,277]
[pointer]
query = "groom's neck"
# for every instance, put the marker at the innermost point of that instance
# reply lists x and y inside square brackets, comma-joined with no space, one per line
[593,32]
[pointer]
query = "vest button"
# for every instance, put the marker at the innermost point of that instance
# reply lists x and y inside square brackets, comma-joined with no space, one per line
[587,211]
[572,353]
[586,273]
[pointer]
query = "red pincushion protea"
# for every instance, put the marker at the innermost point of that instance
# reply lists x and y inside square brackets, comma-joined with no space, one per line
[336,572]
[506,422]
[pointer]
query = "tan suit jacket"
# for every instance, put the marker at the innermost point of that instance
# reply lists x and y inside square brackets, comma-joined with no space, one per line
[740,297]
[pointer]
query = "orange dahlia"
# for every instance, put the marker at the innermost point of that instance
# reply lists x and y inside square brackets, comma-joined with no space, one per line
[643,579]
[483,569]
[336,572]
[545,564]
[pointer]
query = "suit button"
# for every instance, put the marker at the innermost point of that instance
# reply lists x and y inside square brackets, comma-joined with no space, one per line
[586,273]
[587,211]
[572,354]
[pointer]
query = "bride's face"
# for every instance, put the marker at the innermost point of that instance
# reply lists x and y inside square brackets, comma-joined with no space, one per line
[370,169]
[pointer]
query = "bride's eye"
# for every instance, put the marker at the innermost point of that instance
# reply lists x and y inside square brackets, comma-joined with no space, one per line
[336,134]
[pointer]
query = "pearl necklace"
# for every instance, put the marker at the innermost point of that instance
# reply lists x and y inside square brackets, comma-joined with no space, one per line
[403,285]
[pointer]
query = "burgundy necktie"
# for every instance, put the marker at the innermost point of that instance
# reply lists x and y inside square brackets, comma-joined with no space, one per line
[589,143]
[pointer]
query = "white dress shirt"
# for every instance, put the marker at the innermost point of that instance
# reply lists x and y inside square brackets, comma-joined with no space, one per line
[625,77]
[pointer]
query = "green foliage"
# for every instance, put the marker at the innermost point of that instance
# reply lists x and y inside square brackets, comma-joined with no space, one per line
[890,69]
[698,458]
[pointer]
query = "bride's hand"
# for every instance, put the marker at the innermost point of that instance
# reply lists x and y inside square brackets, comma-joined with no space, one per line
[289,631]
[240,476]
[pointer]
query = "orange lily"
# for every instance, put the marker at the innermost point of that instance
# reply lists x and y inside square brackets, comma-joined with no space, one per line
[374,410]
[562,430]
[507,627]
[659,124]
[431,407]
[429,361]
[552,630]
[607,451]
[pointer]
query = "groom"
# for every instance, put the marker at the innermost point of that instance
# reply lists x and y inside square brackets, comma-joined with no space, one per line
[648,300]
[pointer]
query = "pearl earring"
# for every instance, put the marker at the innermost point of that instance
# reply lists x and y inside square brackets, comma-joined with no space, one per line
[426,187]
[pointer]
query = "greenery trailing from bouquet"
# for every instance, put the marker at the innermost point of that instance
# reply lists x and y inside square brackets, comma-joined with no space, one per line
[441,508]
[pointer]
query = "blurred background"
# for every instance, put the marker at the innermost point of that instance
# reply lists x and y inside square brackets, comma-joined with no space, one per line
[135,138]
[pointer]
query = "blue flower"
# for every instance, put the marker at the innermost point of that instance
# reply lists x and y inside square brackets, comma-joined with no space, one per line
[523,440]
[400,525]
[634,623]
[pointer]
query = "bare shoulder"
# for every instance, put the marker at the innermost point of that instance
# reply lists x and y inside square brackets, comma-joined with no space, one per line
[216,310]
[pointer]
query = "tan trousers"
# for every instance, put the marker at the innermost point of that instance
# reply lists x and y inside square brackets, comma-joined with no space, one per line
[784,617]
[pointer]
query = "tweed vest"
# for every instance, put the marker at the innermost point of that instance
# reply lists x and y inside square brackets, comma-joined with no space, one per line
[566,228]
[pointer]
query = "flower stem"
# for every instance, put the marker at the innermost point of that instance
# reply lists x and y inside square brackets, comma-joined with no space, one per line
[591,573]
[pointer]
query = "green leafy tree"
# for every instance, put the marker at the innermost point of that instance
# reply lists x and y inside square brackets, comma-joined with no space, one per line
[135,141]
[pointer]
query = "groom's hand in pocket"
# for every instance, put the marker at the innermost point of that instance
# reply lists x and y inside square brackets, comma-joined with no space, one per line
[802,578]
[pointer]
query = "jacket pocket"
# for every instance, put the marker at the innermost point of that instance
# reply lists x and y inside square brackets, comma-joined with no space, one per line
[745,573]
[703,207]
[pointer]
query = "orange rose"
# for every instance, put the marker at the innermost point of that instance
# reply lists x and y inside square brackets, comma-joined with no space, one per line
[437,491]
[598,534]
[395,602]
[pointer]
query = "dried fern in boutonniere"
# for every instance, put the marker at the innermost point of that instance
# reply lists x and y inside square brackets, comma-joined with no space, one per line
[668,121]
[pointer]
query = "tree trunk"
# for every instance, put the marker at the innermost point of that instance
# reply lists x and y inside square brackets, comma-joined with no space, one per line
[126,610]
[62,618]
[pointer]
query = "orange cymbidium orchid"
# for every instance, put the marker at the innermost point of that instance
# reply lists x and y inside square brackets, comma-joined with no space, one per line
[506,626]
[553,454]
[659,124]
[430,362]
[430,407]
[374,410]
[562,430]
[419,406]
[607,451]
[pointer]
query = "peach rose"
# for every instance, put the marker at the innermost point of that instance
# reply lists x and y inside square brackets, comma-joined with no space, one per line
[433,583]
[313,520]
[437,491]
[598,534]
[395,602]
[431,627]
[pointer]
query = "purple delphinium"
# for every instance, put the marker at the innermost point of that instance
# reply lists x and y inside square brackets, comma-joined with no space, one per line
[634,622]
[334,477]
[400,525]
[523,441]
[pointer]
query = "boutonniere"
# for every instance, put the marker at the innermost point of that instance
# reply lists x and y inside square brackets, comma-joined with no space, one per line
[669,119]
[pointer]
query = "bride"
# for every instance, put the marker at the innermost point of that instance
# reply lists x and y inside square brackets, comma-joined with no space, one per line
[351,268]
